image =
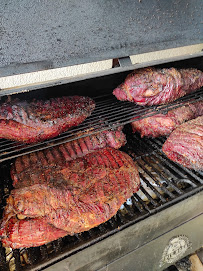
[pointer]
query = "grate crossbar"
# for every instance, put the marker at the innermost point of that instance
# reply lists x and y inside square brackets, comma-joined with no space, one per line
[108,114]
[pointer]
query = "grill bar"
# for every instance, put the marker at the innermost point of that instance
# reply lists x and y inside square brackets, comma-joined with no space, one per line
[142,203]
[149,196]
[16,255]
[179,172]
[131,212]
[112,114]
[163,169]
[3,262]
[147,182]
[141,164]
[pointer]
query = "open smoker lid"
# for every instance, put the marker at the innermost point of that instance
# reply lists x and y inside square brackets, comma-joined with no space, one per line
[37,35]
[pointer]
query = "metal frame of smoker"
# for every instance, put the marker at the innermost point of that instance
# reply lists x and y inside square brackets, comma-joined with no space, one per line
[114,29]
[141,246]
[138,242]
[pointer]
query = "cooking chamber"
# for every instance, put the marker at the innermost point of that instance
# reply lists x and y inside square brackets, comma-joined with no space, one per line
[108,114]
[170,195]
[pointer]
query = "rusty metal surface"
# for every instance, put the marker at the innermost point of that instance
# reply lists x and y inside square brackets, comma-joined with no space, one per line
[60,33]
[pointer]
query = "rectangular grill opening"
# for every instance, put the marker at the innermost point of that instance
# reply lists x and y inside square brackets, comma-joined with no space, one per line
[164,183]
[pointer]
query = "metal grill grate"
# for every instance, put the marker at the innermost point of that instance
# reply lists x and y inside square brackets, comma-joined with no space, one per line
[108,114]
[163,184]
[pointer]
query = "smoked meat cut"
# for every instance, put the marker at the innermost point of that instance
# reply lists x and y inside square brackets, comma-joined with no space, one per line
[74,197]
[39,120]
[185,144]
[150,86]
[163,124]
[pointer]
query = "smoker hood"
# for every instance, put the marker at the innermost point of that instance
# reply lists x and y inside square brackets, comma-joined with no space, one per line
[39,35]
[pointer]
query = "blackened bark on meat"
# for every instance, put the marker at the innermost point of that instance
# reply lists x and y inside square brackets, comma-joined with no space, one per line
[185,144]
[41,120]
[152,86]
[74,197]
[164,124]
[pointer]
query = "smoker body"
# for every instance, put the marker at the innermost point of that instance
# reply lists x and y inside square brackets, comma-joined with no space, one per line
[149,234]
[141,233]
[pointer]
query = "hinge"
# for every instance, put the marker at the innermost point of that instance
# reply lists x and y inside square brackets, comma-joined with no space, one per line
[122,62]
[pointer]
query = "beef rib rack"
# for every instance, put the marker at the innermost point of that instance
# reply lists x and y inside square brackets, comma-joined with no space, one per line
[27,168]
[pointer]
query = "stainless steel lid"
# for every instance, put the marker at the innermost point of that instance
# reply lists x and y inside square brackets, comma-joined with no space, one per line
[37,35]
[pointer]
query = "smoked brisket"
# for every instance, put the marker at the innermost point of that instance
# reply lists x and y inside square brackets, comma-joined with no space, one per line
[185,144]
[40,120]
[150,86]
[75,196]
[163,124]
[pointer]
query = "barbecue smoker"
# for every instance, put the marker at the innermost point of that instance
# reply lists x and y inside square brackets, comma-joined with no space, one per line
[162,223]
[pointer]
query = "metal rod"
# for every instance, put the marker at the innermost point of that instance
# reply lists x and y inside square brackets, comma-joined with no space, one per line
[110,111]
